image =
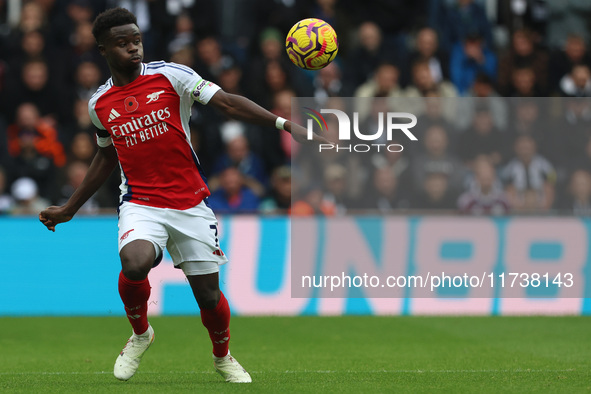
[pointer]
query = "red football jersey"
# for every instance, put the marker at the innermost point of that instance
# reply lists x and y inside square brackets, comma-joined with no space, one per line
[148,122]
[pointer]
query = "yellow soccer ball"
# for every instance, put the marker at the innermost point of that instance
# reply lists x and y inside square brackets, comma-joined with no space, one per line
[311,44]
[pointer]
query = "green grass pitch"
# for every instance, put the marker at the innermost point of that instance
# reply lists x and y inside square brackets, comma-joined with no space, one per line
[357,354]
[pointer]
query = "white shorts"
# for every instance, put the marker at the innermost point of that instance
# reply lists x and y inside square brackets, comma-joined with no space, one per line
[191,236]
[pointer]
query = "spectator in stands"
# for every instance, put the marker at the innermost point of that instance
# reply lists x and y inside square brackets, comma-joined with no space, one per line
[578,200]
[312,203]
[424,86]
[423,83]
[34,149]
[437,158]
[32,47]
[163,20]
[524,83]
[481,93]
[278,200]
[282,107]
[523,53]
[272,50]
[385,194]
[485,194]
[34,86]
[462,19]
[82,149]
[364,59]
[529,177]
[435,193]
[469,58]
[235,24]
[426,49]
[581,162]
[74,13]
[184,34]
[87,81]
[396,18]
[397,161]
[573,52]
[433,114]
[482,139]
[574,126]
[566,18]
[80,124]
[276,79]
[270,45]
[28,202]
[336,185]
[529,118]
[184,56]
[83,49]
[230,79]
[516,14]
[210,59]
[327,83]
[32,18]
[577,83]
[384,83]
[233,196]
[6,200]
[239,156]
[75,173]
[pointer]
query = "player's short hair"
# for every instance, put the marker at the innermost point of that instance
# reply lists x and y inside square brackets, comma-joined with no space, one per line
[111,18]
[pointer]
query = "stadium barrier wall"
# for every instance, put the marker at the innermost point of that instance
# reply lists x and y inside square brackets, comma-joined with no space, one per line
[74,270]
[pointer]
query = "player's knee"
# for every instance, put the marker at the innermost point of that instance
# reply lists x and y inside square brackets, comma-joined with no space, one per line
[134,267]
[137,259]
[208,299]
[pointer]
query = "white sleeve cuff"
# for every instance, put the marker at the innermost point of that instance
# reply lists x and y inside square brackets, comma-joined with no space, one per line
[103,142]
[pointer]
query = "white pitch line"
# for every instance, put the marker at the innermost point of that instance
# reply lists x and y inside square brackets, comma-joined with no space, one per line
[103,373]
[444,371]
[397,371]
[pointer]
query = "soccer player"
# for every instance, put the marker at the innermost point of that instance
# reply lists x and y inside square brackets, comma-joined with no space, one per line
[142,114]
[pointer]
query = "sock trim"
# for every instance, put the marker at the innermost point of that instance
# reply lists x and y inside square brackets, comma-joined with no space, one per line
[130,282]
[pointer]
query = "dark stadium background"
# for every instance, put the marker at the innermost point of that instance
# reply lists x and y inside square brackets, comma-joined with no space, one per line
[49,67]
[519,71]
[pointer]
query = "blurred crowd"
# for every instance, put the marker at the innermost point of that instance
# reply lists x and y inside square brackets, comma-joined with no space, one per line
[476,70]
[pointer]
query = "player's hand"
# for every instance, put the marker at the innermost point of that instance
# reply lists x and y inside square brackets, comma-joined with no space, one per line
[53,215]
[300,134]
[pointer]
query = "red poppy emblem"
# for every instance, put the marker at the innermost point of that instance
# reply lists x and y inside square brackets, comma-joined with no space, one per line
[131,104]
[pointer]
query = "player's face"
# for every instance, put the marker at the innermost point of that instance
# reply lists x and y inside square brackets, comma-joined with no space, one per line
[123,47]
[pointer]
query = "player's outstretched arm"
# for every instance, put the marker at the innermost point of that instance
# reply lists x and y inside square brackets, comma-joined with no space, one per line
[241,108]
[102,166]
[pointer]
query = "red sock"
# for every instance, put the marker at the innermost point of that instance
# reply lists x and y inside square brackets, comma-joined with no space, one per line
[217,322]
[135,294]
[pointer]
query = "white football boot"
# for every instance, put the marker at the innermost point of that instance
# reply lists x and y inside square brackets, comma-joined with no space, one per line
[131,355]
[230,369]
